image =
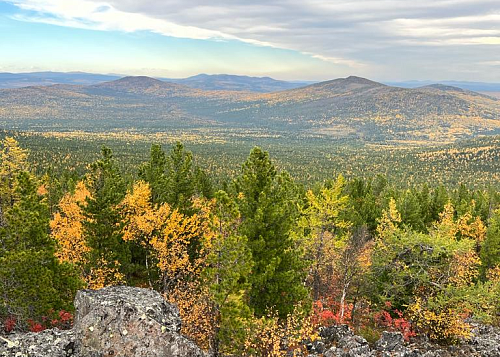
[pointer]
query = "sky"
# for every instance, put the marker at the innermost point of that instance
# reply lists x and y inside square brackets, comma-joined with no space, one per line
[386,40]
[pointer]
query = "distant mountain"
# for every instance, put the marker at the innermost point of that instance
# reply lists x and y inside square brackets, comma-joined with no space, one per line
[18,80]
[472,86]
[351,107]
[229,82]
[223,82]
[141,85]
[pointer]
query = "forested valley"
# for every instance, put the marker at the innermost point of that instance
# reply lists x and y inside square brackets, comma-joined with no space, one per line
[253,261]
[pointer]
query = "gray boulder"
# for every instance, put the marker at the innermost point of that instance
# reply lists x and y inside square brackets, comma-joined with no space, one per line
[53,343]
[115,321]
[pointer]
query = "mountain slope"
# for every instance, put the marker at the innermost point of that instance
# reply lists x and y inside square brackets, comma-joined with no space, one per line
[229,82]
[472,86]
[140,85]
[345,107]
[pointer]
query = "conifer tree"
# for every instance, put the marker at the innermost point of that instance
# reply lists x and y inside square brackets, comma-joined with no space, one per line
[13,160]
[153,172]
[174,179]
[490,251]
[409,207]
[324,229]
[229,264]
[102,224]
[32,281]
[267,202]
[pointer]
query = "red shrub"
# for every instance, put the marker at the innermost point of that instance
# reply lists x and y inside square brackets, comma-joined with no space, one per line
[35,326]
[9,324]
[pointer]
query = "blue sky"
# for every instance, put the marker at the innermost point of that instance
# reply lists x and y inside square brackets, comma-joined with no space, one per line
[286,39]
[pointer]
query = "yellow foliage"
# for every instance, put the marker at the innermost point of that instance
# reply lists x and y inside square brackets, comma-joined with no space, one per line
[326,236]
[388,223]
[446,226]
[270,337]
[42,190]
[67,230]
[493,274]
[445,325]
[104,274]
[464,268]
[195,308]
[472,228]
[143,221]
[13,159]
[67,227]
[467,226]
[167,232]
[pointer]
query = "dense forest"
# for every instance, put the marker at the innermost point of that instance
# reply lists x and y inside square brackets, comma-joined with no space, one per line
[308,159]
[256,262]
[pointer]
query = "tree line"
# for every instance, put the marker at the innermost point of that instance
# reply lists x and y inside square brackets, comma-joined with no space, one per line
[255,265]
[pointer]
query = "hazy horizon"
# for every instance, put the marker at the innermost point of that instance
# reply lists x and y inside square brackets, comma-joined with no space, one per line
[121,75]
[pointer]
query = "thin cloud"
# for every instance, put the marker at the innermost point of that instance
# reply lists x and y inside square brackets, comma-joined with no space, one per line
[360,35]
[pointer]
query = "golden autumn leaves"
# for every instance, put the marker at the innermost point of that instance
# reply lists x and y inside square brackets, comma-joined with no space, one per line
[165,234]
[444,265]
[159,228]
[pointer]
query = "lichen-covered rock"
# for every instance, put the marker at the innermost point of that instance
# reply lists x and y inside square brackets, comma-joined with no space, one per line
[115,321]
[340,341]
[126,321]
[390,341]
[53,343]
[485,341]
[131,322]
[345,343]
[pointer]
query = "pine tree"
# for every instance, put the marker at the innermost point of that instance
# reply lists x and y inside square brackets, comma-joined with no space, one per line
[32,280]
[490,251]
[181,179]
[365,202]
[153,172]
[440,198]
[267,202]
[174,179]
[102,225]
[229,265]
[409,207]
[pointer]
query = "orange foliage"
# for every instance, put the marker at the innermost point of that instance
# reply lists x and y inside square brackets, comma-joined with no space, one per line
[169,235]
[104,274]
[464,268]
[67,227]
[196,310]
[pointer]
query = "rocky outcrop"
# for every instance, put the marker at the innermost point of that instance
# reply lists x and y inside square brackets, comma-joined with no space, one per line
[115,321]
[340,341]
[53,343]
[133,322]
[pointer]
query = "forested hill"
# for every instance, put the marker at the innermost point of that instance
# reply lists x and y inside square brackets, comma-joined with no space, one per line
[236,83]
[346,107]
